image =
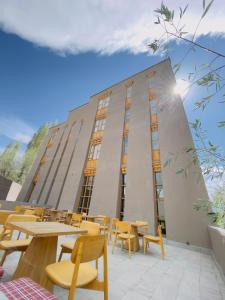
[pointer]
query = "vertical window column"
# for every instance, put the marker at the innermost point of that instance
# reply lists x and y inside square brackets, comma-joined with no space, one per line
[93,154]
[125,148]
[156,164]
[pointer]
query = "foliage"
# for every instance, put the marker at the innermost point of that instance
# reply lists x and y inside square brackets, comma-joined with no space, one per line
[207,77]
[214,208]
[7,161]
[9,165]
[31,152]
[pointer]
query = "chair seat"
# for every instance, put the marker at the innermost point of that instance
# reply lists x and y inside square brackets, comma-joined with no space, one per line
[25,289]
[126,236]
[152,238]
[104,227]
[14,244]
[69,245]
[61,273]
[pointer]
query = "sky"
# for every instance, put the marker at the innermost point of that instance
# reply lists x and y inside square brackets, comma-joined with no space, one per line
[55,54]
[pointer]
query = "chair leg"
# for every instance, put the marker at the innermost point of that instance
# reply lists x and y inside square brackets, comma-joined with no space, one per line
[3,257]
[114,244]
[162,250]
[60,255]
[145,246]
[129,248]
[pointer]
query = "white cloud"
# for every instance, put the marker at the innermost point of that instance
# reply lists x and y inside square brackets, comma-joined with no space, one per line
[105,26]
[16,129]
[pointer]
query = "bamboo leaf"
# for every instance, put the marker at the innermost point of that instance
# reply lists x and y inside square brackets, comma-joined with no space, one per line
[207,9]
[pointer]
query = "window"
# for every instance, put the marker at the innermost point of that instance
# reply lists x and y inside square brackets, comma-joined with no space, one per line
[94,151]
[129,91]
[150,82]
[155,140]
[103,103]
[100,125]
[125,145]
[127,115]
[153,107]
[158,178]
[86,193]
[123,195]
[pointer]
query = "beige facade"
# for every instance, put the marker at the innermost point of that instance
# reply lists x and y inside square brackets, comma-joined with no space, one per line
[108,158]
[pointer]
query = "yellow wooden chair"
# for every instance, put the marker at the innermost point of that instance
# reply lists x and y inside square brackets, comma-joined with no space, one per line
[76,220]
[112,229]
[39,212]
[78,272]
[123,234]
[91,228]
[9,246]
[29,212]
[155,239]
[104,224]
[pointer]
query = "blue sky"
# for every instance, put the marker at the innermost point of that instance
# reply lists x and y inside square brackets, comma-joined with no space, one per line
[43,77]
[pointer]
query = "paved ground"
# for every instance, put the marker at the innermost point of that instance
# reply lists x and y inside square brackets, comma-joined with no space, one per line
[183,275]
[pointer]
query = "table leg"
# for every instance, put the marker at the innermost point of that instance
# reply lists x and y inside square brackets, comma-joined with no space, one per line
[40,253]
[134,242]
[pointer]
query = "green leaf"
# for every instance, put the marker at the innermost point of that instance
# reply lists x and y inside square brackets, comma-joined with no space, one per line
[221,124]
[203,4]
[207,8]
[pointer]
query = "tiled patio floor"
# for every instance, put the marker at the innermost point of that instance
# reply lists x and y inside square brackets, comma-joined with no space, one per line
[183,275]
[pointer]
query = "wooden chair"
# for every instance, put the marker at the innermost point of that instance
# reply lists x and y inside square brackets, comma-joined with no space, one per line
[155,239]
[78,272]
[39,212]
[92,229]
[76,220]
[123,233]
[104,224]
[113,227]
[9,246]
[29,212]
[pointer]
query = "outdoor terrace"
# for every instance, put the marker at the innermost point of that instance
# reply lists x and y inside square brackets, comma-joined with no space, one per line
[184,274]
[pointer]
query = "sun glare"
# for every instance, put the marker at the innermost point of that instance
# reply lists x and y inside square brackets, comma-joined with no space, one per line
[181,87]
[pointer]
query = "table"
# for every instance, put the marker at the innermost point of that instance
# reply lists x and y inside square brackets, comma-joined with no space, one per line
[4,215]
[42,249]
[135,245]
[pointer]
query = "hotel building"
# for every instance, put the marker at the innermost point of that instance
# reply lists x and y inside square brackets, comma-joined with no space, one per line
[109,158]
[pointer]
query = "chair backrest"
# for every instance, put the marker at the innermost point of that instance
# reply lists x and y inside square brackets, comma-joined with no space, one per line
[76,217]
[123,226]
[91,227]
[39,211]
[89,248]
[159,230]
[29,212]
[18,208]
[21,218]
[114,221]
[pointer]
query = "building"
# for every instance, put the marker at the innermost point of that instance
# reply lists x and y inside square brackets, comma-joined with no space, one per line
[109,156]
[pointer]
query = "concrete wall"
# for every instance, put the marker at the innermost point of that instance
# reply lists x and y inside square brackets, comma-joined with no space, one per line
[217,238]
[70,194]
[139,202]
[105,195]
[183,223]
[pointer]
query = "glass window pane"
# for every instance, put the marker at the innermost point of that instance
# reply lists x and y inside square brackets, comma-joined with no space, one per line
[129,91]
[125,145]
[158,178]
[153,106]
